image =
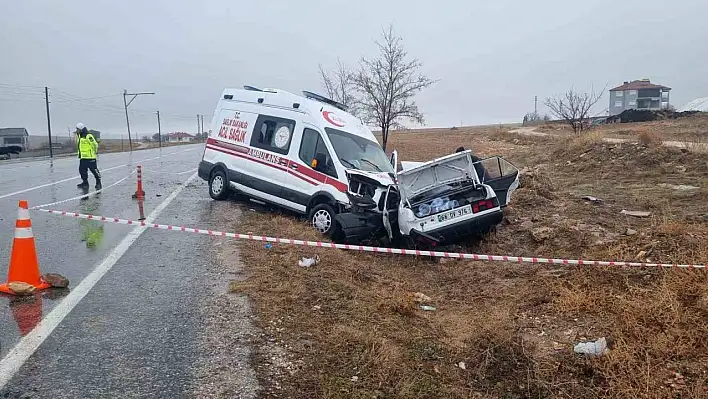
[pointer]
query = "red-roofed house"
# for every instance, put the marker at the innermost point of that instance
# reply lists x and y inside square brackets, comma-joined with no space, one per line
[638,94]
[180,137]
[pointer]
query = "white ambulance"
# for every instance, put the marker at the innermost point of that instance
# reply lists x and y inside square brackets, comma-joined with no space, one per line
[288,150]
[306,153]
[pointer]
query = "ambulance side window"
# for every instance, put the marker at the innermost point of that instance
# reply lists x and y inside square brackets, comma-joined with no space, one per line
[273,134]
[311,146]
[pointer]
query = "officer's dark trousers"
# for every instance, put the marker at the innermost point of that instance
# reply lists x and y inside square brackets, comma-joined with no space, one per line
[89,164]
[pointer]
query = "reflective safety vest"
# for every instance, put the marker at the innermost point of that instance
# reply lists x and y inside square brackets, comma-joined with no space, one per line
[88,147]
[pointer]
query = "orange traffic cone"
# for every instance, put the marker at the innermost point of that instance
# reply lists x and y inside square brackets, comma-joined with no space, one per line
[139,193]
[24,266]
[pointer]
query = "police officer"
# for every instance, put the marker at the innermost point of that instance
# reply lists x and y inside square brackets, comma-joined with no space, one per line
[88,150]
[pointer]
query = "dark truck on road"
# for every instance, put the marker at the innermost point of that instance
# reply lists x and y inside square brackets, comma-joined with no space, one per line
[13,141]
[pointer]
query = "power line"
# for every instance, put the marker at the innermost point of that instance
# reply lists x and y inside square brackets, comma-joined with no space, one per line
[90,99]
[15,92]
[21,86]
[24,100]
[71,98]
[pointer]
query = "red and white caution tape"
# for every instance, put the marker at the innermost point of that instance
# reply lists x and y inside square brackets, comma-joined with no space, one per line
[414,252]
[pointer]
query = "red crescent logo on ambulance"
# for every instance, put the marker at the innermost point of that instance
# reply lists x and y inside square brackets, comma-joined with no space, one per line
[333,119]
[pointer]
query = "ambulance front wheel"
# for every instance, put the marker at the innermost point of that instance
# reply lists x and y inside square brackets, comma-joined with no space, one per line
[322,219]
[218,185]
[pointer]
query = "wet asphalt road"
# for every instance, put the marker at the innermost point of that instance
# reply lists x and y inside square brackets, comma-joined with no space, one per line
[136,333]
[61,242]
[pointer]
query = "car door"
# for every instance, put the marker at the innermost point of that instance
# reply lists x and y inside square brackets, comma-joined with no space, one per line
[501,175]
[315,165]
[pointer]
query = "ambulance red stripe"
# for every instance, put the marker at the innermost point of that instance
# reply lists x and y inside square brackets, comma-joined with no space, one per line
[262,162]
[302,171]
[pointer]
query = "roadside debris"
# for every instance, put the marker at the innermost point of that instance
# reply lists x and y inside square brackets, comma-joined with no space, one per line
[268,246]
[592,199]
[355,378]
[680,187]
[630,232]
[593,348]
[462,365]
[637,214]
[309,262]
[20,288]
[56,280]
[541,234]
[420,297]
[428,308]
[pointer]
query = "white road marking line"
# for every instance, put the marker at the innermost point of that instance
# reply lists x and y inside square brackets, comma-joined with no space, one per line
[77,177]
[29,344]
[83,196]
[55,182]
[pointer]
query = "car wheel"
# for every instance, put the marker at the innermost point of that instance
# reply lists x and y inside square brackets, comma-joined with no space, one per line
[322,219]
[218,185]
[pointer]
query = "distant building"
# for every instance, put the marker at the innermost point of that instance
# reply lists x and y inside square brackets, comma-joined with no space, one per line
[638,94]
[14,136]
[180,137]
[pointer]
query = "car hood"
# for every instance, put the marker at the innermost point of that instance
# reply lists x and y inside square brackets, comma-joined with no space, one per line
[426,176]
[376,178]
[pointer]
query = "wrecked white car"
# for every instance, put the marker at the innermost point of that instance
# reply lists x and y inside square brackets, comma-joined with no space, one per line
[429,203]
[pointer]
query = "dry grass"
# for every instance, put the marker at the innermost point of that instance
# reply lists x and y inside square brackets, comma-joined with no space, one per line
[688,129]
[649,138]
[513,326]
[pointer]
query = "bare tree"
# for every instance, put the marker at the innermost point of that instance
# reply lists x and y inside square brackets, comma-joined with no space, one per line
[574,107]
[387,85]
[339,85]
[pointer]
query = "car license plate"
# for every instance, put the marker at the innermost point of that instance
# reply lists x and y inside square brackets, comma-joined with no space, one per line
[454,214]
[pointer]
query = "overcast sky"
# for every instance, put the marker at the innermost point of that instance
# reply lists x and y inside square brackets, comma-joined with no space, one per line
[491,57]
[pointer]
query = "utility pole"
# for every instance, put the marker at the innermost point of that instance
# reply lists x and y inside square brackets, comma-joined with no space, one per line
[126,103]
[159,129]
[49,121]
[203,127]
[535,105]
[199,134]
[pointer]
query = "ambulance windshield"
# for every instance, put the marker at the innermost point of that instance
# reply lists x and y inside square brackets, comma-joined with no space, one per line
[358,153]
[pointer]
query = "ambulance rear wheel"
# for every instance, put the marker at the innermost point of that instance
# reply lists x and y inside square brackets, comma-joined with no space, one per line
[218,185]
[322,219]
